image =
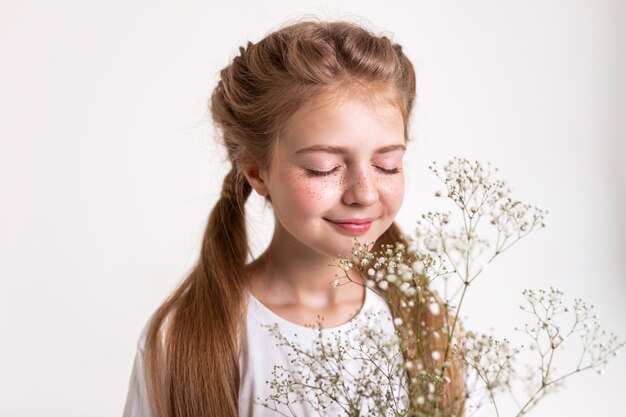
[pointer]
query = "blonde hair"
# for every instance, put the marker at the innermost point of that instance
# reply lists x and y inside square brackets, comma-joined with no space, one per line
[193,366]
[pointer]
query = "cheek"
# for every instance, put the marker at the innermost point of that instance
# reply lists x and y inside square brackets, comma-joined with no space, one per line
[391,191]
[306,195]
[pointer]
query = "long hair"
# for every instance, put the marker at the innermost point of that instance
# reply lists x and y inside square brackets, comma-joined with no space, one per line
[195,337]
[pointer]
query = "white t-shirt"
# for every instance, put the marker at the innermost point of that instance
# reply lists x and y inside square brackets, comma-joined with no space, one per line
[264,353]
[257,368]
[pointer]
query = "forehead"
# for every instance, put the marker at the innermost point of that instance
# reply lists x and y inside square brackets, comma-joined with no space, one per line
[346,120]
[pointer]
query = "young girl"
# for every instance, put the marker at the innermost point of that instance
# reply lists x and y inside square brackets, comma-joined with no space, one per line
[315,119]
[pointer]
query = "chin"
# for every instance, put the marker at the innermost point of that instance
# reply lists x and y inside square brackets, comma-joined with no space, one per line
[344,250]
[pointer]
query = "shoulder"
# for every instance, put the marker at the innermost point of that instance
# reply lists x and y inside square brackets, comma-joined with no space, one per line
[144,333]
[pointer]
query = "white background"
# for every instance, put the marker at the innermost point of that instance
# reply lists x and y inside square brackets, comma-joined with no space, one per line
[108,167]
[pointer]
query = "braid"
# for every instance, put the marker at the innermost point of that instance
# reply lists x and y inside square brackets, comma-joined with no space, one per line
[235,189]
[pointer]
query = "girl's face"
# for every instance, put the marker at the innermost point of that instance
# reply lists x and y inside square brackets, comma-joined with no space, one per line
[336,174]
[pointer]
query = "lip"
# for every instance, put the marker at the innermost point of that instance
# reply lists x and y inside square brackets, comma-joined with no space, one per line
[353,225]
[353,220]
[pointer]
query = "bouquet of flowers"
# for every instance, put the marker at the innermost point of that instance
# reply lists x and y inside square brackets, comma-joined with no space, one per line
[419,369]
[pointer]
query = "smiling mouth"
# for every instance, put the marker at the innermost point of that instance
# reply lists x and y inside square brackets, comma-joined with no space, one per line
[353,225]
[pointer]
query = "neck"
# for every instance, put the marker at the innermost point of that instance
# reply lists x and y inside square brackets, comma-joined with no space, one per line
[289,273]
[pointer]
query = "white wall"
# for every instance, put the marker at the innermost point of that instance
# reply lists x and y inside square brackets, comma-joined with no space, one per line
[108,167]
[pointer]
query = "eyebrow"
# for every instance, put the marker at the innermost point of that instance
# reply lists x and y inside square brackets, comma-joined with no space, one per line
[342,150]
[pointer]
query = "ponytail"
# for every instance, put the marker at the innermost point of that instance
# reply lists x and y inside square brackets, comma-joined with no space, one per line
[195,371]
[432,334]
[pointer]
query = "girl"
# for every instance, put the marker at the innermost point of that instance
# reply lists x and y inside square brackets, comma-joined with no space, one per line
[315,119]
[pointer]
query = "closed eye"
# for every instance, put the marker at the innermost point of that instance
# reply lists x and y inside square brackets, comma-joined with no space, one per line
[316,173]
[389,171]
[321,173]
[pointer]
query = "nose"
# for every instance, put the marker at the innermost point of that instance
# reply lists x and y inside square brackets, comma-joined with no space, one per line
[360,188]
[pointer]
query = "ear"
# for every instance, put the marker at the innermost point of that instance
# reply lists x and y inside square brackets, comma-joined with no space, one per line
[257,179]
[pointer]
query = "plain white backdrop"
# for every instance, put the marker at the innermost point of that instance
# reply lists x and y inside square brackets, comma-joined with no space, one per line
[109,168]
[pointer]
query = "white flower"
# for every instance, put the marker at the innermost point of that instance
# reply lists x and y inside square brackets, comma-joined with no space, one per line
[436,355]
[397,321]
[371,272]
[383,285]
[434,309]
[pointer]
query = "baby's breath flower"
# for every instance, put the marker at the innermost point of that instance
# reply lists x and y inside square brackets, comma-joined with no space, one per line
[434,309]
[420,272]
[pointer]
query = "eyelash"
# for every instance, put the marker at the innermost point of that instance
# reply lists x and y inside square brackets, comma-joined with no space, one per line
[327,173]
